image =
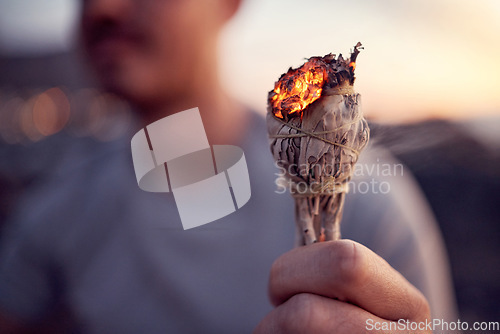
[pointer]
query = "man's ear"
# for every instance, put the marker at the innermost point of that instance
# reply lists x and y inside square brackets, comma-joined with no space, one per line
[230,8]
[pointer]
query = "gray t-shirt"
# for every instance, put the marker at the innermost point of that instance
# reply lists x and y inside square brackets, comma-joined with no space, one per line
[120,261]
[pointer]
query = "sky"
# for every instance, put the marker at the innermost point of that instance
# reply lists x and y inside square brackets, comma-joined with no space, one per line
[422,59]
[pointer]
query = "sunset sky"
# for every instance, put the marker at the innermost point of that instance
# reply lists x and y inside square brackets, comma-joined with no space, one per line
[421,58]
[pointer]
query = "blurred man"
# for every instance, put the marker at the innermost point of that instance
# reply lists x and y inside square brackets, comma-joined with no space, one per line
[116,259]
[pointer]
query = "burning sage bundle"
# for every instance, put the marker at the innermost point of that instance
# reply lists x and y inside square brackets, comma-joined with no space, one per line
[317,131]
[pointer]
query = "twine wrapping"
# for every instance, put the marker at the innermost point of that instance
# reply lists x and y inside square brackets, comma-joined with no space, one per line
[317,135]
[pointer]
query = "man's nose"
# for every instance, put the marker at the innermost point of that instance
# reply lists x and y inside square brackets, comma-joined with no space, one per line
[107,9]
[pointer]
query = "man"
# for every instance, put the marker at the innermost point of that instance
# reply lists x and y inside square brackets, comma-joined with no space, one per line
[117,259]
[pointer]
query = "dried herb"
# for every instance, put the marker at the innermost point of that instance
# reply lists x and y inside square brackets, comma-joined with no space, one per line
[317,130]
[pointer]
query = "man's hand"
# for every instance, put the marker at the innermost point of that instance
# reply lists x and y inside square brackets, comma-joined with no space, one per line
[339,287]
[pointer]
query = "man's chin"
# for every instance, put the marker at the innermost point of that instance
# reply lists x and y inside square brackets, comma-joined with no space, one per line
[131,91]
[138,85]
[116,76]
[115,81]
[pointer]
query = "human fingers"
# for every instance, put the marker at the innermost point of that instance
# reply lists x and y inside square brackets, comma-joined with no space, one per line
[309,313]
[347,271]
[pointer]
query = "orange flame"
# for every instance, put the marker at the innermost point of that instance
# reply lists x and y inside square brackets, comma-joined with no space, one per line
[298,88]
[352,65]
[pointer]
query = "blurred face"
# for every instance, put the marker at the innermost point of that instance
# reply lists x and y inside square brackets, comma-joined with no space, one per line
[149,50]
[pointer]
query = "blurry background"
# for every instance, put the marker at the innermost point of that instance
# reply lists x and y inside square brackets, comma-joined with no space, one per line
[429,76]
[421,58]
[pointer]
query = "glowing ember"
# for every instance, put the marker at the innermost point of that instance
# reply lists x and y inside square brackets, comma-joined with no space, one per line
[298,88]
